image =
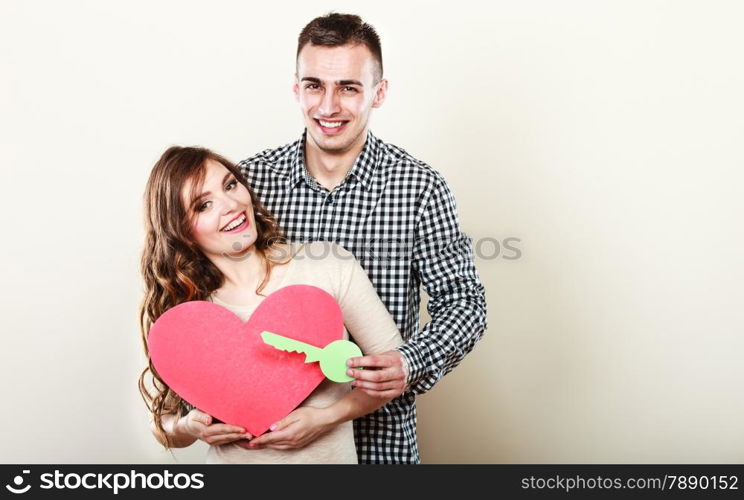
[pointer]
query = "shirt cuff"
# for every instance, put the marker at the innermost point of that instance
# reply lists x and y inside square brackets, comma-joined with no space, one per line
[413,363]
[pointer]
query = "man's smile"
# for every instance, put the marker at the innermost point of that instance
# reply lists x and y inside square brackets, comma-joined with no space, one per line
[331,127]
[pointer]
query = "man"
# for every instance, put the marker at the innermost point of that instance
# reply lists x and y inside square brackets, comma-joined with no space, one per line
[340,183]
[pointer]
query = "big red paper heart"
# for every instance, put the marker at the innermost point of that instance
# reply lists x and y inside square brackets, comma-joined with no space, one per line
[219,364]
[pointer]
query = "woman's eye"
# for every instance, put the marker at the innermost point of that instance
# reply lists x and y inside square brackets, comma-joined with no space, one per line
[231,185]
[203,206]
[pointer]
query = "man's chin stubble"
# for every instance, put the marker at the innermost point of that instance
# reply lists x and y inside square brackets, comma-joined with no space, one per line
[339,149]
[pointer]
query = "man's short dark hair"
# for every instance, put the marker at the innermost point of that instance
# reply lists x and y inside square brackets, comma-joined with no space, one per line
[335,30]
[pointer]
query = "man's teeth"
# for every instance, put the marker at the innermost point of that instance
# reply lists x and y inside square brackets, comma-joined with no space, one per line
[235,223]
[330,124]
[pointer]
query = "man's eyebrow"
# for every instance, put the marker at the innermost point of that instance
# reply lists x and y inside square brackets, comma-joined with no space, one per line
[312,79]
[207,193]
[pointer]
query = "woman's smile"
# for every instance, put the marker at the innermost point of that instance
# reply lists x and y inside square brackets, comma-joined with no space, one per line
[237,224]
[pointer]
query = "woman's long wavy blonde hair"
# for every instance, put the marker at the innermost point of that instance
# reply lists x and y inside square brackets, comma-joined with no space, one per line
[173,267]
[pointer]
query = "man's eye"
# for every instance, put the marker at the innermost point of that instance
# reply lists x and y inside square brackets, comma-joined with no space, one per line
[312,86]
[350,89]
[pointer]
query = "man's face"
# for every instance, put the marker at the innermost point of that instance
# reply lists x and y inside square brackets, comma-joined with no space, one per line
[336,89]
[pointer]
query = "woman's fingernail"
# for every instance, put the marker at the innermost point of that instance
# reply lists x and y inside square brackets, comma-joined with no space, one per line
[272,428]
[350,373]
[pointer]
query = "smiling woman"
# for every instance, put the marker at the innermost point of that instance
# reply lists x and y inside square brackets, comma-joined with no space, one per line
[209,238]
[175,268]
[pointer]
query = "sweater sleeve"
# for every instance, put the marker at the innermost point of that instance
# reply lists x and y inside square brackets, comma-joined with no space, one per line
[365,316]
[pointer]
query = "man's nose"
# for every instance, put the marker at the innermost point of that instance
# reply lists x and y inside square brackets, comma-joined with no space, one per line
[329,105]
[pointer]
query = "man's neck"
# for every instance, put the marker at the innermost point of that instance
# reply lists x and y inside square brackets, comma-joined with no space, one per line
[330,169]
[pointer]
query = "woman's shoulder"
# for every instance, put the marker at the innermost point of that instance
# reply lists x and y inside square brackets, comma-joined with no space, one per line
[325,251]
[324,258]
[328,266]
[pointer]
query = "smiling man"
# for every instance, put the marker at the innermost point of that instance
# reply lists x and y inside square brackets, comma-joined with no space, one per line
[340,183]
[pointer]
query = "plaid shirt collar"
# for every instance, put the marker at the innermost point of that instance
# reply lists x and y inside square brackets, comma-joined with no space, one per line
[363,169]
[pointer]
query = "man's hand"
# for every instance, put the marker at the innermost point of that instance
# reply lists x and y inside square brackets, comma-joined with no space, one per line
[296,430]
[384,375]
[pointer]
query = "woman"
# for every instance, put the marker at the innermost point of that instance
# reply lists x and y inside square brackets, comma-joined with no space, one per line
[209,238]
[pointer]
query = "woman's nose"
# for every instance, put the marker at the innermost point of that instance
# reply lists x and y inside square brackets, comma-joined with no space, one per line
[229,205]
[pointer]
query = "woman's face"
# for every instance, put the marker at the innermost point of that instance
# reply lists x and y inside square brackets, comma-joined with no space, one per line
[222,219]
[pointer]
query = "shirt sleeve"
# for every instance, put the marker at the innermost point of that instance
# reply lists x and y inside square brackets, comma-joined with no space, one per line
[443,261]
[365,316]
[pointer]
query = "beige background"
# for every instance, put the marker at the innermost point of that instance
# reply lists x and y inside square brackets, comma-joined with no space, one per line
[606,136]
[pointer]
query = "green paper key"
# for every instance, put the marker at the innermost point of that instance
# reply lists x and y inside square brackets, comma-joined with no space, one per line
[332,357]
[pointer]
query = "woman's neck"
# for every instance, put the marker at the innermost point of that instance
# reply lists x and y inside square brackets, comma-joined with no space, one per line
[243,272]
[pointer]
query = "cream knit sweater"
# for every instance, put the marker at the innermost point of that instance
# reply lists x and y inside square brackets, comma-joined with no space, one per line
[335,270]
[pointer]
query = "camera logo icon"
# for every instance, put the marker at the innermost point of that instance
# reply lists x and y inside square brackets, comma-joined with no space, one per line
[18,481]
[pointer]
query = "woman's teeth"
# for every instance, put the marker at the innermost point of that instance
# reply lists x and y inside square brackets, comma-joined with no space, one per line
[234,223]
[330,124]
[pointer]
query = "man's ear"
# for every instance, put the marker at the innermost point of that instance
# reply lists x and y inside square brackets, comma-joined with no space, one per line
[296,88]
[380,94]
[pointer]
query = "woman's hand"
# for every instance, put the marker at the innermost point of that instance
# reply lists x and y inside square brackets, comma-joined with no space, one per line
[296,430]
[199,425]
